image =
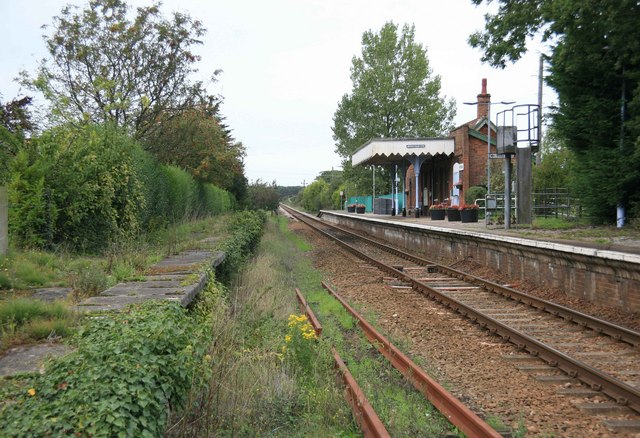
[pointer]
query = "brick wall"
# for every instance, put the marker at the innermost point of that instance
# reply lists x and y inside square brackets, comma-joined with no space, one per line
[604,281]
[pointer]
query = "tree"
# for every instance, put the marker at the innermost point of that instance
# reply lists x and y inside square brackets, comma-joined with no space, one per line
[106,67]
[15,121]
[316,195]
[594,66]
[394,94]
[197,142]
[555,167]
[263,196]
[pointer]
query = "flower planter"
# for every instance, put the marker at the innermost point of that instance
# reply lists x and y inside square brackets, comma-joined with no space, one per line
[453,215]
[351,208]
[437,214]
[470,215]
[360,210]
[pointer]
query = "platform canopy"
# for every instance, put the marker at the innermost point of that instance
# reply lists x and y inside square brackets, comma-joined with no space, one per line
[381,151]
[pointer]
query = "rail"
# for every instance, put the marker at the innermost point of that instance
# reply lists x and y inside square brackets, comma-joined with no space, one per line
[621,392]
[458,414]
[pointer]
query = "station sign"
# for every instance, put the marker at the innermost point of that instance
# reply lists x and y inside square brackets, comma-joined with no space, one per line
[494,156]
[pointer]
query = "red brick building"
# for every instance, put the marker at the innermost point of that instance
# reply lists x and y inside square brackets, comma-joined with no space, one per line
[436,176]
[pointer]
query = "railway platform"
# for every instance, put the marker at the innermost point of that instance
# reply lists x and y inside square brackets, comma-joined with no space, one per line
[616,241]
[604,270]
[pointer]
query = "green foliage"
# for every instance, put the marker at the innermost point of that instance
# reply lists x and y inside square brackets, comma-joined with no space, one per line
[316,196]
[263,196]
[243,235]
[555,169]
[32,214]
[394,94]
[473,193]
[595,69]
[198,142]
[88,187]
[127,370]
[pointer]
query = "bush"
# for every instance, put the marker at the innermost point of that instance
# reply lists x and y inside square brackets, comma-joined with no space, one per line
[244,233]
[91,186]
[473,193]
[157,349]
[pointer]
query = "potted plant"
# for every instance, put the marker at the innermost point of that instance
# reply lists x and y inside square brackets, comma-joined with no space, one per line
[453,213]
[360,208]
[437,212]
[469,213]
[351,208]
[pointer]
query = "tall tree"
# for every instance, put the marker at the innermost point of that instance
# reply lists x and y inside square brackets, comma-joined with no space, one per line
[594,66]
[394,94]
[196,141]
[15,121]
[109,66]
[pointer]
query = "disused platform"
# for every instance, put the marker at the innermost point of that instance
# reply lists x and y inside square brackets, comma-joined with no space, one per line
[603,273]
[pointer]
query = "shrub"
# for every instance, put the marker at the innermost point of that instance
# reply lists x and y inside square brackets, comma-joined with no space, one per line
[87,187]
[244,233]
[127,370]
[473,193]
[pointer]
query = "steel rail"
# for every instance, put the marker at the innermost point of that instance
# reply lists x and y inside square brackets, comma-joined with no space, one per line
[317,327]
[623,393]
[456,412]
[587,321]
[364,414]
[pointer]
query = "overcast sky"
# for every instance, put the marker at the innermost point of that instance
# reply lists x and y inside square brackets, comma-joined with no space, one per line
[286,64]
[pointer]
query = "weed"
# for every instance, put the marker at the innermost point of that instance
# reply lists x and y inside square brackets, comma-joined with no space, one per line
[23,309]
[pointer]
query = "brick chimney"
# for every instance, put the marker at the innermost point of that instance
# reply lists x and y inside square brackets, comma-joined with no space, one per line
[484,100]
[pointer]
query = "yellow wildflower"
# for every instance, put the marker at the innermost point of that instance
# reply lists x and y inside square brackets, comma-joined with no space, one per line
[287,338]
[31,392]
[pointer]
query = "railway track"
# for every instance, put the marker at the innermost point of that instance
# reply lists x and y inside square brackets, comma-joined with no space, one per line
[604,356]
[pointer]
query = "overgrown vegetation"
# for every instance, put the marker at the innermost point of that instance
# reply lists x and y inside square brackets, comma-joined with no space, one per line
[24,320]
[256,388]
[128,369]
[272,376]
[87,188]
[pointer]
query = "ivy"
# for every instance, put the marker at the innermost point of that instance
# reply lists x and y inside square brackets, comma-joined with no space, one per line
[127,371]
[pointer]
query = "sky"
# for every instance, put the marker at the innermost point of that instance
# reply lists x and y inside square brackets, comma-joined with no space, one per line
[286,64]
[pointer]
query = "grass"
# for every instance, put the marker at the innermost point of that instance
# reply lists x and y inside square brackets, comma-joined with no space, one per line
[256,389]
[23,320]
[23,270]
[267,379]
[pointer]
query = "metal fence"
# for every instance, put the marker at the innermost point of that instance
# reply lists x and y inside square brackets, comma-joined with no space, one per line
[555,202]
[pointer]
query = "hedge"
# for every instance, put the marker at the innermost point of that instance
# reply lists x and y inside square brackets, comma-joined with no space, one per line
[90,186]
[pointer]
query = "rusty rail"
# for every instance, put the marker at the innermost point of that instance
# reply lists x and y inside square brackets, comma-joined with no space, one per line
[317,327]
[364,414]
[623,393]
[458,414]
